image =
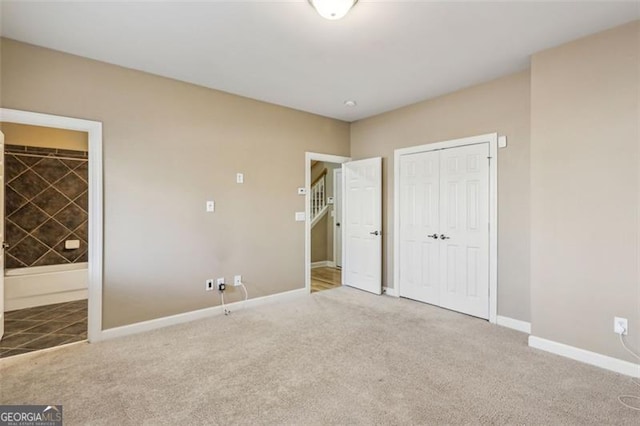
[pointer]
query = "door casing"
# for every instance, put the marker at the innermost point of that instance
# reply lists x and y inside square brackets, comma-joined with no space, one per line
[327,158]
[337,211]
[492,140]
[94,131]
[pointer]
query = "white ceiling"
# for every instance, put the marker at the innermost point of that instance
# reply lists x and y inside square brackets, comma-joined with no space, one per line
[383,55]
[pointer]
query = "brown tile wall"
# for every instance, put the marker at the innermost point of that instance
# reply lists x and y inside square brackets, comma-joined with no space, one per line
[46,203]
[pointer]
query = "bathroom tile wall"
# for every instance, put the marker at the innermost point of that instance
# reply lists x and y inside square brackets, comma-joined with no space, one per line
[46,203]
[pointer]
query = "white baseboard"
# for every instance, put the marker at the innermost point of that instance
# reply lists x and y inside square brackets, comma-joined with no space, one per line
[390,291]
[515,324]
[323,264]
[140,327]
[588,357]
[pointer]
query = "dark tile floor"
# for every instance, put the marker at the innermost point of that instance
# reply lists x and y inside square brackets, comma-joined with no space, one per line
[31,329]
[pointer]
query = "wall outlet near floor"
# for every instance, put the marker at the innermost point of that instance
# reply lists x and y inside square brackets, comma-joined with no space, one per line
[209,284]
[620,325]
[220,284]
[237,280]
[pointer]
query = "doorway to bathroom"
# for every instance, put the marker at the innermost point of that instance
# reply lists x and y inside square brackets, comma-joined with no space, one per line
[46,237]
[48,232]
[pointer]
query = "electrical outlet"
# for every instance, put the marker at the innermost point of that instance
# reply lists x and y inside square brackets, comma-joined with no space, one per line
[220,284]
[209,284]
[620,325]
[237,280]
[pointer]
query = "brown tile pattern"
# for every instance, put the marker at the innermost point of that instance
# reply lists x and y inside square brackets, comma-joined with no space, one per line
[46,203]
[42,327]
[325,278]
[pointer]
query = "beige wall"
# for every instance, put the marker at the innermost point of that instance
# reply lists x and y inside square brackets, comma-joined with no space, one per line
[44,137]
[168,147]
[584,180]
[498,106]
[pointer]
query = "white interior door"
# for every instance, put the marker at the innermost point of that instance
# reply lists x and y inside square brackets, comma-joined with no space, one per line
[464,227]
[1,235]
[362,222]
[420,226]
[337,209]
[444,228]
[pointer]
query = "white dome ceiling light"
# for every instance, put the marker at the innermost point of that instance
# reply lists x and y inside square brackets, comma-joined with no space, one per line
[332,9]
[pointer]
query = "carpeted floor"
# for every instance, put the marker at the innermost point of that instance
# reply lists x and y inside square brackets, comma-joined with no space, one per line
[337,357]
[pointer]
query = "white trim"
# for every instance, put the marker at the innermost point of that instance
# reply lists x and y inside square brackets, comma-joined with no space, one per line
[514,324]
[94,131]
[588,357]
[492,140]
[308,157]
[320,215]
[335,228]
[154,324]
[323,264]
[390,291]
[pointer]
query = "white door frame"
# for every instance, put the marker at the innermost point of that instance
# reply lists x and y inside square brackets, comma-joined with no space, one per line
[94,130]
[335,228]
[327,158]
[492,140]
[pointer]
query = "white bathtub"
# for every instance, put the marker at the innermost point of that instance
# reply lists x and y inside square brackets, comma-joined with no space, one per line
[44,285]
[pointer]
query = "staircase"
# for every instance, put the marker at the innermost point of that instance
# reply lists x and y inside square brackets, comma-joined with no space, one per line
[318,197]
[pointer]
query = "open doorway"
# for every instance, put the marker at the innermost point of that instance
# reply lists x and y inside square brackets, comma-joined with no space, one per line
[51,262]
[326,213]
[324,226]
[46,228]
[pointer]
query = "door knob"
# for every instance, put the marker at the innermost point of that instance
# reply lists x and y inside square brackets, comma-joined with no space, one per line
[374,233]
[444,237]
[338,224]
[434,236]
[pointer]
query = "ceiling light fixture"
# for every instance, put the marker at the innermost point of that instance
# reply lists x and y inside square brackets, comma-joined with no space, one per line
[332,9]
[350,104]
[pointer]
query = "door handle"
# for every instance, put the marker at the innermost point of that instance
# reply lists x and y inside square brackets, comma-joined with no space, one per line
[434,236]
[338,224]
[374,233]
[444,237]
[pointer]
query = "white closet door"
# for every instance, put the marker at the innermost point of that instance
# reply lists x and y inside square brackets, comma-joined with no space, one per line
[362,221]
[419,226]
[464,228]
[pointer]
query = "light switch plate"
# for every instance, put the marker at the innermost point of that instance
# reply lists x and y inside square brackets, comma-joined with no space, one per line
[329,200]
[502,141]
[239,177]
[302,191]
[300,216]
[211,206]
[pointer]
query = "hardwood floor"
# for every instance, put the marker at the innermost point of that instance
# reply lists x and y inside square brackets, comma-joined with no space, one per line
[325,278]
